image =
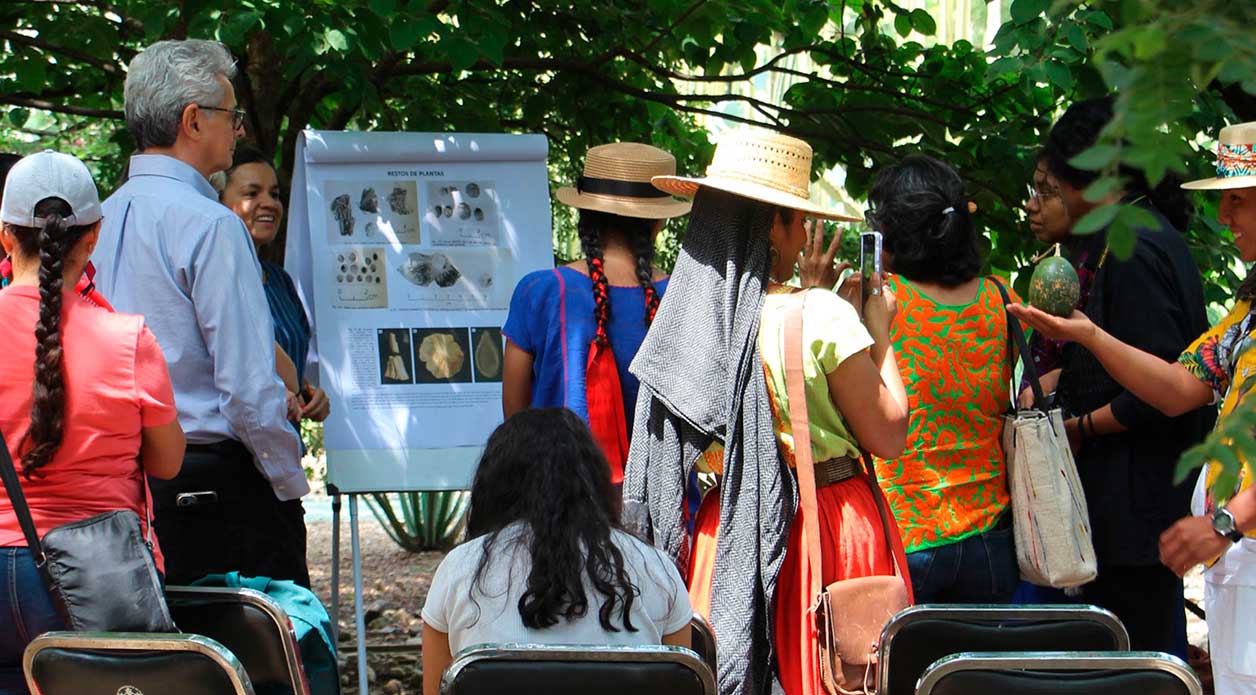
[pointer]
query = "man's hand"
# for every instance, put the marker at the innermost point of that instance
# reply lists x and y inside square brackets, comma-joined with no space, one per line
[1189,542]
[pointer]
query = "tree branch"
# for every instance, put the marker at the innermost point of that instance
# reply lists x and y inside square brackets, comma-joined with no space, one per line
[60,108]
[679,20]
[36,42]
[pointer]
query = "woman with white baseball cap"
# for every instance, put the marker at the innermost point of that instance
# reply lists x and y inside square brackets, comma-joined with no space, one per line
[1217,367]
[86,405]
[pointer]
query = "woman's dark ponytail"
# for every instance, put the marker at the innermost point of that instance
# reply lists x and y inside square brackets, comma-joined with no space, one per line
[51,242]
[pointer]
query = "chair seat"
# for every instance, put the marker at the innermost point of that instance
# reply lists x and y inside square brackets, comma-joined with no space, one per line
[72,663]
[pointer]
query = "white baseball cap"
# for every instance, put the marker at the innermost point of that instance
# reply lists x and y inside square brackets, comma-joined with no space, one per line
[46,175]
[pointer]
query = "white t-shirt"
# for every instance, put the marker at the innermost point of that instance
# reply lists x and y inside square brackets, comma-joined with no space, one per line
[661,606]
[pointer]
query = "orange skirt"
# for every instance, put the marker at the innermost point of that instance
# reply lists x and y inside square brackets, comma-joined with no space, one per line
[853,545]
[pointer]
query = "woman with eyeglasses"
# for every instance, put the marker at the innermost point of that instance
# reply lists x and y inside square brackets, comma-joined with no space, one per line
[948,490]
[1127,450]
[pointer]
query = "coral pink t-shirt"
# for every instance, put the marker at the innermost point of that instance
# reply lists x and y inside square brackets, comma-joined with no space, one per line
[116,383]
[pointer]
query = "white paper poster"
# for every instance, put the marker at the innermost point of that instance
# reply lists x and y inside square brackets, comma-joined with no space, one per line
[405,248]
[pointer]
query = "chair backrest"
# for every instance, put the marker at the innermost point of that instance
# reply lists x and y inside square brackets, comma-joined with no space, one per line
[1060,673]
[702,640]
[249,623]
[920,635]
[489,669]
[131,663]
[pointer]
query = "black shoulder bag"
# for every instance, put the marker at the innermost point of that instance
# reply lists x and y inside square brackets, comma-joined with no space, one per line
[99,571]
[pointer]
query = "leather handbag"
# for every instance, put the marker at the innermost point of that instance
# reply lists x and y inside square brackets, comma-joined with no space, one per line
[1050,520]
[100,570]
[850,613]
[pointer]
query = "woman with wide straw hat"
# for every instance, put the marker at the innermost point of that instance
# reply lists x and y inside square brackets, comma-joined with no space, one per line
[572,331]
[1218,366]
[713,395]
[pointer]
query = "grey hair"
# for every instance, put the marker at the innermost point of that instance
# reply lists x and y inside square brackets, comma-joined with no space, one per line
[164,79]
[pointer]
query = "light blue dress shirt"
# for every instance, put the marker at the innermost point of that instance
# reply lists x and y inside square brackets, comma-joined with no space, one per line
[169,251]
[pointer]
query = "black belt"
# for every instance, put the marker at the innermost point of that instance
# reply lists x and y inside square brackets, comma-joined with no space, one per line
[226,447]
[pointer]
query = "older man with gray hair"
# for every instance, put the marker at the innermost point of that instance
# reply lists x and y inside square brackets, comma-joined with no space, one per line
[170,251]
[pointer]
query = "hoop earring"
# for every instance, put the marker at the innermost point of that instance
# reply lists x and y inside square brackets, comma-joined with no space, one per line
[774,259]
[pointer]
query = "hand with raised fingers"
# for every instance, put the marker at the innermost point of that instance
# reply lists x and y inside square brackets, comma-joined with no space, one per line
[817,264]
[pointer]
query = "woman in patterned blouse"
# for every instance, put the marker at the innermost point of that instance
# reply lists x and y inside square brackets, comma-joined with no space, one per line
[948,490]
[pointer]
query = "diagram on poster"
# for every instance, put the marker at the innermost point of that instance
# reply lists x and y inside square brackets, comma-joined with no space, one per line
[380,212]
[361,282]
[456,279]
[462,213]
[412,246]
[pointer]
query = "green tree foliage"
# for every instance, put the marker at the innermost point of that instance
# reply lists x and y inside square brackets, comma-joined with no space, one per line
[866,83]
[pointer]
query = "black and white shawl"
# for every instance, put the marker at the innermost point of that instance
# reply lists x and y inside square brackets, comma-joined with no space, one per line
[702,380]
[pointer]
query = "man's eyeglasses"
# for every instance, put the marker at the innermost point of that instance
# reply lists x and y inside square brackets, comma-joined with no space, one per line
[237,115]
[1042,194]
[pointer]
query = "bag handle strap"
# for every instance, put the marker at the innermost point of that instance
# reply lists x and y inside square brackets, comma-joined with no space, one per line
[1017,334]
[8,471]
[800,425]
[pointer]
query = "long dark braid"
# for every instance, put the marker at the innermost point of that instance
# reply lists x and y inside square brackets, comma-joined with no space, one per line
[640,232]
[590,228]
[643,251]
[51,242]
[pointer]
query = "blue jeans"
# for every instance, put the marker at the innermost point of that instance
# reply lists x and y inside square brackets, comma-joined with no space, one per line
[26,611]
[979,569]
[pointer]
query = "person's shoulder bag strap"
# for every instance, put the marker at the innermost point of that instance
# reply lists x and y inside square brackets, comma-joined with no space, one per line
[8,471]
[1015,333]
[800,425]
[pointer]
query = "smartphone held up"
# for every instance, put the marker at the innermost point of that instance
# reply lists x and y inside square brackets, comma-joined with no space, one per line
[869,265]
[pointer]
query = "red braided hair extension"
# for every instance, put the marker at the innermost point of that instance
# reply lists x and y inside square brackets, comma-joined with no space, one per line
[601,299]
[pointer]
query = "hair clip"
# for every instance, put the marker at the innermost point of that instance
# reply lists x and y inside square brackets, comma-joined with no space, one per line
[948,211]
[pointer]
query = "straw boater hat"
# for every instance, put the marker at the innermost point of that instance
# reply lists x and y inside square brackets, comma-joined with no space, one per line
[1236,160]
[760,165]
[617,180]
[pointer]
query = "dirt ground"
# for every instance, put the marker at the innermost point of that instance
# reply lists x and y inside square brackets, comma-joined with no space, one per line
[395,585]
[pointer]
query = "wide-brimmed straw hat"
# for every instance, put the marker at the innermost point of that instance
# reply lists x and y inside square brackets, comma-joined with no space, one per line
[617,180]
[760,165]
[1236,160]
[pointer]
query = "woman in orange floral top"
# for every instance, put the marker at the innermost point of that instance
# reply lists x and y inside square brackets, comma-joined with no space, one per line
[948,490]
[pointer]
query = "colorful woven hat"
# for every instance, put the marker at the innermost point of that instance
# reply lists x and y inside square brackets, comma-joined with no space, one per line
[617,180]
[760,165]
[1236,160]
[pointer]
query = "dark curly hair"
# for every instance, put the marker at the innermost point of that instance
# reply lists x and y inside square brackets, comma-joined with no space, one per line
[542,468]
[594,227]
[921,211]
[50,243]
[1077,130]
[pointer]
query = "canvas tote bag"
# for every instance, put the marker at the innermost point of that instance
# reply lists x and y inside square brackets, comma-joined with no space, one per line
[850,613]
[1050,522]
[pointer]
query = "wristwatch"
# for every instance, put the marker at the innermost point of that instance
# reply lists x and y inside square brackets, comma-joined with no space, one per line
[1223,523]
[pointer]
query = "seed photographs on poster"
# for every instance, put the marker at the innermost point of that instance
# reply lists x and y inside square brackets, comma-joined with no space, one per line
[396,360]
[373,212]
[441,356]
[359,277]
[462,213]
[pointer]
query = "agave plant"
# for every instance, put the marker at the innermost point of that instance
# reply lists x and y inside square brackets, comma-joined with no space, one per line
[427,520]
